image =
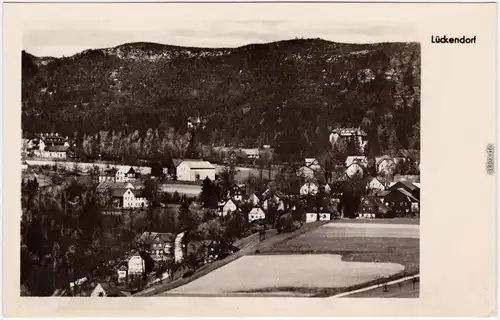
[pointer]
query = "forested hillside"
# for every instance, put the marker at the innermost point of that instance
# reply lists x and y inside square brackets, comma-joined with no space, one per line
[135,98]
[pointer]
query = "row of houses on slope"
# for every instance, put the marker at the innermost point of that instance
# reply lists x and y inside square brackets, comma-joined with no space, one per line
[49,145]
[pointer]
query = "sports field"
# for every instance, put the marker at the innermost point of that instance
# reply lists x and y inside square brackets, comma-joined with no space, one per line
[363,242]
[330,259]
[287,273]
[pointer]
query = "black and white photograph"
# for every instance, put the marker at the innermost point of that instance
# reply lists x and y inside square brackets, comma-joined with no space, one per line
[220,159]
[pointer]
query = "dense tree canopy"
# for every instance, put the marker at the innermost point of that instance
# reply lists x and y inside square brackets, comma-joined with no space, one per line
[134,100]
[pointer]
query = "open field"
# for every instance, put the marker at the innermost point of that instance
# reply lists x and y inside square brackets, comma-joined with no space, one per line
[327,260]
[283,273]
[241,175]
[359,242]
[396,221]
[405,289]
[182,189]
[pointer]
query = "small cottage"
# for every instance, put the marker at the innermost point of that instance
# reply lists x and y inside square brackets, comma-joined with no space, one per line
[257,213]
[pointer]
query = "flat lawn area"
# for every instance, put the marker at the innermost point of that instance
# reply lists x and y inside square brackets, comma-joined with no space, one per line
[405,289]
[358,244]
[380,221]
[287,273]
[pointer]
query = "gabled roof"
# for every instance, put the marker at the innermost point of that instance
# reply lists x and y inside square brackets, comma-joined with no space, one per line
[148,237]
[379,160]
[407,194]
[406,184]
[254,194]
[385,182]
[257,207]
[352,159]
[197,164]
[382,193]
[126,170]
[374,201]
[230,200]
[137,193]
[113,185]
[118,192]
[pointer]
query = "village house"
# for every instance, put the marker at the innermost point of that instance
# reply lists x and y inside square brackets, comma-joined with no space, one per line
[309,188]
[355,169]
[251,153]
[122,273]
[124,197]
[106,290]
[314,216]
[126,173]
[253,199]
[158,245]
[377,184]
[237,192]
[401,202]
[49,145]
[408,186]
[361,160]
[338,188]
[227,207]
[136,265]
[257,213]
[108,175]
[133,198]
[356,135]
[195,122]
[276,202]
[195,170]
[55,152]
[372,207]
[24,165]
[385,166]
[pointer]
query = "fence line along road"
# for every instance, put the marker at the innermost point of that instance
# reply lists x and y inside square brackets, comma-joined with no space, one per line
[375,286]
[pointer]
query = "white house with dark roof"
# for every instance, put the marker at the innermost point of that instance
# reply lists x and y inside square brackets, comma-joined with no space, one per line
[257,213]
[125,173]
[194,170]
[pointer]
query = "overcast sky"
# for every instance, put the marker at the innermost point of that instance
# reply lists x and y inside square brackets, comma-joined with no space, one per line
[72,29]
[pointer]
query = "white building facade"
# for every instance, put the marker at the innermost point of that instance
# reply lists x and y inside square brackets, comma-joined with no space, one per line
[195,170]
